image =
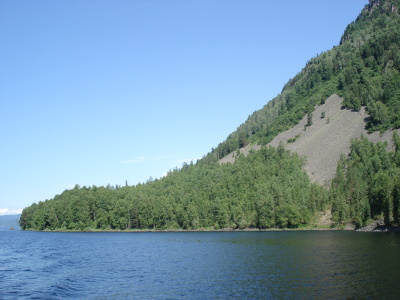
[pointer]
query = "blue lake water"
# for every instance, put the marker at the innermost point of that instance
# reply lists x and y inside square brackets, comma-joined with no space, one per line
[200,265]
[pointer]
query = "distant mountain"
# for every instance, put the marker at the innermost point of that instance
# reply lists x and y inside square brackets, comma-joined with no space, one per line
[9,221]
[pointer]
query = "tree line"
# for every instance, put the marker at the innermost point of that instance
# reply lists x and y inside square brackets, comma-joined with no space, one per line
[268,188]
[367,184]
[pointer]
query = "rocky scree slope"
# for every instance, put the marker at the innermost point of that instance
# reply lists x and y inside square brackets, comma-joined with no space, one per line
[333,127]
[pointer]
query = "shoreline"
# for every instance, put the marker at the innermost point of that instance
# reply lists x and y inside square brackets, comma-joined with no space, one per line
[347,228]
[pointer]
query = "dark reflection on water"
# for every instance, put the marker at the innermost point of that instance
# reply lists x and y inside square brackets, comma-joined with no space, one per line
[200,265]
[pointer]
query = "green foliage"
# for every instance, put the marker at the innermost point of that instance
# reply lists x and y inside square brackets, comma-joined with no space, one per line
[292,140]
[371,54]
[366,185]
[309,119]
[268,188]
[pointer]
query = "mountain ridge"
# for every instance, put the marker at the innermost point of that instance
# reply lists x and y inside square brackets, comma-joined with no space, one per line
[9,221]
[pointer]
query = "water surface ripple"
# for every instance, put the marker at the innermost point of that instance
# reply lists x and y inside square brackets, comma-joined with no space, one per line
[199,265]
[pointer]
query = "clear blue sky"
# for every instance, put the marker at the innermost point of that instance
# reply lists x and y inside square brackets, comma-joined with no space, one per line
[98,92]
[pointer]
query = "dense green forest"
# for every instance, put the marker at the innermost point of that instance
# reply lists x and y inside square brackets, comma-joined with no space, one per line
[268,188]
[367,184]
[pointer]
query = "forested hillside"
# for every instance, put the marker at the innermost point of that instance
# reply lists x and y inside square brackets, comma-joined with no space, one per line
[367,184]
[266,189]
[269,188]
[363,69]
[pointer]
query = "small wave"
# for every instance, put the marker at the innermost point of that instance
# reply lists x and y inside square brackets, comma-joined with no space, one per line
[68,288]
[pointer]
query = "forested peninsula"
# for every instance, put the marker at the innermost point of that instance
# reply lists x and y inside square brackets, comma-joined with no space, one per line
[268,187]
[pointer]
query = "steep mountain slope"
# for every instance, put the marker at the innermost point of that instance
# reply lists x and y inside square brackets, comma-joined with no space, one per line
[327,138]
[363,70]
[330,135]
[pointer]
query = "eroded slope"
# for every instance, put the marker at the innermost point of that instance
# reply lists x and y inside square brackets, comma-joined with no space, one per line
[333,127]
[328,137]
